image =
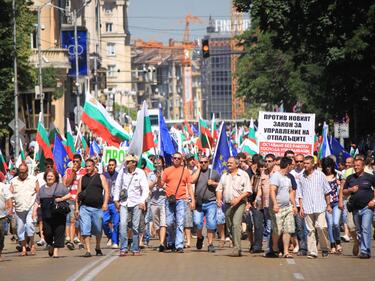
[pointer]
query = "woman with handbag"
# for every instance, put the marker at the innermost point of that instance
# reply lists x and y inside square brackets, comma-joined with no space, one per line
[52,198]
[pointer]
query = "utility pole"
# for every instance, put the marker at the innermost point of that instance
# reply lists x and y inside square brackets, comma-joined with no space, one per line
[16,126]
[40,79]
[96,74]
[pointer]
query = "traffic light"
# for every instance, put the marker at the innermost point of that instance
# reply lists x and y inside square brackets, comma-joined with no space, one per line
[205,48]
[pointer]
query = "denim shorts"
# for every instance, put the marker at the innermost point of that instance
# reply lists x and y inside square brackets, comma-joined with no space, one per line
[188,221]
[220,216]
[209,211]
[90,220]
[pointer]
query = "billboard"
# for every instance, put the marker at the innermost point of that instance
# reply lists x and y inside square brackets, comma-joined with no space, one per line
[281,131]
[67,42]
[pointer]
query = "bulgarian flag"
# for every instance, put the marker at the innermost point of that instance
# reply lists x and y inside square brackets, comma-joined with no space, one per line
[143,139]
[3,163]
[205,134]
[249,145]
[70,148]
[251,134]
[96,117]
[187,128]
[21,158]
[42,139]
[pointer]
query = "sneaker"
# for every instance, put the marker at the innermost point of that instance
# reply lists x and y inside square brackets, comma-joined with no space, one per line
[76,240]
[161,248]
[136,254]
[41,243]
[345,238]
[81,246]
[271,255]
[312,256]
[114,246]
[67,240]
[19,248]
[236,253]
[211,248]
[87,255]
[98,252]
[179,250]
[109,243]
[70,246]
[199,244]
[364,256]
[302,253]
[324,254]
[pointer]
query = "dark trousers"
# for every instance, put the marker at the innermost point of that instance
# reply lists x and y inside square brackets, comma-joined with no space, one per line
[258,221]
[2,233]
[54,230]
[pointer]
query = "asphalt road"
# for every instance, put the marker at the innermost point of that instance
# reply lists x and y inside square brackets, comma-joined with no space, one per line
[191,265]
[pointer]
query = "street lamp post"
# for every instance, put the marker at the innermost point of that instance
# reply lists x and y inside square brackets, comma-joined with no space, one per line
[16,125]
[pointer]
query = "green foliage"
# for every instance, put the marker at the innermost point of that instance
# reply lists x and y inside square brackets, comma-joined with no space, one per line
[26,75]
[318,52]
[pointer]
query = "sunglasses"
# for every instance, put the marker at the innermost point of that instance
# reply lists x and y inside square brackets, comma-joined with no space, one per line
[76,161]
[299,161]
[177,158]
[203,162]
[269,161]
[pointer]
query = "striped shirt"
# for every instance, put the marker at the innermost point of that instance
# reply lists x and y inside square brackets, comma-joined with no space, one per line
[312,191]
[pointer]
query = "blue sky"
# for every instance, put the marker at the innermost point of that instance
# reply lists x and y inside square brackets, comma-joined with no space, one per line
[163,19]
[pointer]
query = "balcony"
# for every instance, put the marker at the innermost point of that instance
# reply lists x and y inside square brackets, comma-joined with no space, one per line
[54,58]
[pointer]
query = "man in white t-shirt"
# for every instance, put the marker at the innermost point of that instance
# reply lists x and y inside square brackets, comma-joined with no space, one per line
[5,211]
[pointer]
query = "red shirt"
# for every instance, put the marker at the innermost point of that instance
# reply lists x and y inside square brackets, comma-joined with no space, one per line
[74,186]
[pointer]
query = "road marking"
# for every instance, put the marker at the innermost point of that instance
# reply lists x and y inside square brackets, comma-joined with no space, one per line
[80,272]
[93,273]
[290,261]
[298,276]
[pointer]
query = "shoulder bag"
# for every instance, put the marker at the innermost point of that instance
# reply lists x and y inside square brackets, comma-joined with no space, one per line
[62,207]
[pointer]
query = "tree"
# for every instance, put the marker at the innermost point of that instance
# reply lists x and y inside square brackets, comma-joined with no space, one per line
[320,53]
[26,74]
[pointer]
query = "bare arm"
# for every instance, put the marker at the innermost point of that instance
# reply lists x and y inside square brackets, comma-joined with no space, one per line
[273,190]
[106,192]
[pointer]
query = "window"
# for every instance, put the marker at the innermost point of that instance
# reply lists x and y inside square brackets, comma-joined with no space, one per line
[111,70]
[111,49]
[108,27]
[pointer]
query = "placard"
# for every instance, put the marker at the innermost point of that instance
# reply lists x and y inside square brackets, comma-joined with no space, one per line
[281,131]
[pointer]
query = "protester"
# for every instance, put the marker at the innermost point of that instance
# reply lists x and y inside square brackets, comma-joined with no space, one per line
[5,211]
[206,181]
[333,218]
[314,200]
[71,180]
[111,217]
[54,223]
[24,189]
[297,173]
[93,195]
[177,181]
[234,187]
[188,220]
[157,202]
[130,194]
[282,208]
[360,186]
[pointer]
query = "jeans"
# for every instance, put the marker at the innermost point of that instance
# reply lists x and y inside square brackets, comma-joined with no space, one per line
[175,223]
[208,210]
[301,232]
[2,233]
[267,228]
[135,216]
[363,221]
[333,221]
[258,221]
[233,218]
[111,216]
[25,224]
[90,220]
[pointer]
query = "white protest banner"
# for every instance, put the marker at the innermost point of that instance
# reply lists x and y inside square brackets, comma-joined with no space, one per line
[111,152]
[281,131]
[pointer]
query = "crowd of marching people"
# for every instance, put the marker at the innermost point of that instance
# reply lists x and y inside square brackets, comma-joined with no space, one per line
[285,206]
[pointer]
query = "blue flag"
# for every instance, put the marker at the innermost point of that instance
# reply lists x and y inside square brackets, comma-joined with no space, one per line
[94,149]
[166,146]
[233,150]
[195,130]
[222,151]
[338,150]
[60,155]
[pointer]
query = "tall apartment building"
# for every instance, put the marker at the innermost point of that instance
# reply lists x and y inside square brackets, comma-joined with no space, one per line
[115,51]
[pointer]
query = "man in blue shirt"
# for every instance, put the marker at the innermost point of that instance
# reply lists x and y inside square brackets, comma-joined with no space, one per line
[111,217]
